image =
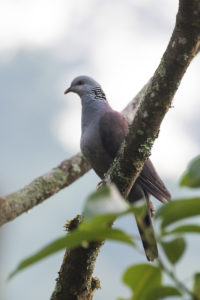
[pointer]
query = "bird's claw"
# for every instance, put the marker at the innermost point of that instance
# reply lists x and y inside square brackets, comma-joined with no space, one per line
[104,181]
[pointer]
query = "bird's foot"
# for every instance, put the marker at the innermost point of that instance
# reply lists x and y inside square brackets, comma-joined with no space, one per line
[99,184]
[104,181]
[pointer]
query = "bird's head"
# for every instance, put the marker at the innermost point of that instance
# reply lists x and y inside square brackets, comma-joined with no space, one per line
[82,85]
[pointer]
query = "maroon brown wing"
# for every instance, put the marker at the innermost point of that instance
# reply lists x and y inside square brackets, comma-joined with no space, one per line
[113,129]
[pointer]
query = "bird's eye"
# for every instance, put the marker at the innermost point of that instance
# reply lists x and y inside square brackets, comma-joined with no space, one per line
[80,82]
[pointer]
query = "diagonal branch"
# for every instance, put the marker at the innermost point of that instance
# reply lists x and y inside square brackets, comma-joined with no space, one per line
[144,130]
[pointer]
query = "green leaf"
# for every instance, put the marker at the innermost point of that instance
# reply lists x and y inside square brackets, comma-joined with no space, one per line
[191,177]
[105,205]
[196,285]
[74,239]
[108,202]
[103,220]
[177,210]
[174,249]
[190,228]
[101,209]
[141,279]
[162,292]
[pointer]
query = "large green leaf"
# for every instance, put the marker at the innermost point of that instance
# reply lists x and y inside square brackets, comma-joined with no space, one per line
[174,249]
[107,201]
[162,292]
[74,239]
[105,205]
[177,210]
[191,177]
[189,228]
[101,209]
[141,279]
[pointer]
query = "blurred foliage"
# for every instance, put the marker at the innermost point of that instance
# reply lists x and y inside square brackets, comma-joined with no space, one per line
[144,280]
[196,287]
[191,177]
[174,249]
[177,210]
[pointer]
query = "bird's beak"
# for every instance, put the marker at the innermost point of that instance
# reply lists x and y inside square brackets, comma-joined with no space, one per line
[67,91]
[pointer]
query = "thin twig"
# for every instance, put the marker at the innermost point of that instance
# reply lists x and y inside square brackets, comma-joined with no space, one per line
[177,282]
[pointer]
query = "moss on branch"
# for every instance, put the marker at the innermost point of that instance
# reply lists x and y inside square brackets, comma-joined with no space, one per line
[43,187]
[75,281]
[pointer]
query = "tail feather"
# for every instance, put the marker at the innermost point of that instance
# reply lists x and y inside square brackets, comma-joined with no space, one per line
[148,183]
[155,190]
[146,231]
[144,223]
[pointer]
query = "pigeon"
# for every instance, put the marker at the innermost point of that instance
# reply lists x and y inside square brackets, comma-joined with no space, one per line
[103,131]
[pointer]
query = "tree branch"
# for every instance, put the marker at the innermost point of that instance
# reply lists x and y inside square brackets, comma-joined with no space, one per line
[144,130]
[45,186]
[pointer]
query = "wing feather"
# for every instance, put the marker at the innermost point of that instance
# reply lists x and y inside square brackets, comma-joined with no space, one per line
[113,129]
[152,183]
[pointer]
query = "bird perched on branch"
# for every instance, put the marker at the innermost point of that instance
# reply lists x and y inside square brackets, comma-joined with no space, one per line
[103,131]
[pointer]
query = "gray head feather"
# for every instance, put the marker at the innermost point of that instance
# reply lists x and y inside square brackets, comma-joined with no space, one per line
[86,86]
[82,84]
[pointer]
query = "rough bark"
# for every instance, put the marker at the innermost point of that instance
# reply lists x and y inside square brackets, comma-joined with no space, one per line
[75,281]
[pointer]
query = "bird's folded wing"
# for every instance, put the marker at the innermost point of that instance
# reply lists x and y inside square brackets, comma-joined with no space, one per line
[113,128]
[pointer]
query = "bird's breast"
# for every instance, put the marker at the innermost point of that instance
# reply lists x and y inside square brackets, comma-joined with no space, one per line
[93,150]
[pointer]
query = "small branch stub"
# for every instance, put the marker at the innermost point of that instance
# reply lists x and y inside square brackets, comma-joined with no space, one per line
[75,281]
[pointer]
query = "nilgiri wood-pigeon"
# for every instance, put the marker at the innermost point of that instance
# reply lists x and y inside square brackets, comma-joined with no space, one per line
[103,131]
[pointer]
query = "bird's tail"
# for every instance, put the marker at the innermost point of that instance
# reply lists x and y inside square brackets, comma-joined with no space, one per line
[144,224]
[146,231]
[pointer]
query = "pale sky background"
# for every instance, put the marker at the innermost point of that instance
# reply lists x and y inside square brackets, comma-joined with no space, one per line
[120,44]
